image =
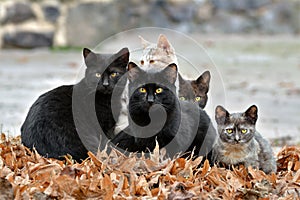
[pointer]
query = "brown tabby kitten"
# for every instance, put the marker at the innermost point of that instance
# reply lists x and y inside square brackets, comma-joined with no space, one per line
[240,143]
[195,90]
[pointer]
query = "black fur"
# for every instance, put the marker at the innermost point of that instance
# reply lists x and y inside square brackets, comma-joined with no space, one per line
[57,118]
[186,125]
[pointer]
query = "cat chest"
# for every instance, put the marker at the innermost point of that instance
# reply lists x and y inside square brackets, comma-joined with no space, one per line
[234,154]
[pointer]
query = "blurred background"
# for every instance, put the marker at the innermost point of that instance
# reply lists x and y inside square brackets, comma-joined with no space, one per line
[253,44]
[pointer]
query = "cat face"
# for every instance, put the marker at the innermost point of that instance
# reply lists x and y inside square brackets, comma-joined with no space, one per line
[157,55]
[236,128]
[104,70]
[148,88]
[196,90]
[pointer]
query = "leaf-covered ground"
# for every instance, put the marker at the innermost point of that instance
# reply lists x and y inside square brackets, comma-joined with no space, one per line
[27,175]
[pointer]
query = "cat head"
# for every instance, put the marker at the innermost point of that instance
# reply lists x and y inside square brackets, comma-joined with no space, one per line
[147,88]
[236,128]
[196,90]
[104,70]
[157,55]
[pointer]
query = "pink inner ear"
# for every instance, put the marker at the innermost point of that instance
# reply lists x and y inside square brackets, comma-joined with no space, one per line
[163,42]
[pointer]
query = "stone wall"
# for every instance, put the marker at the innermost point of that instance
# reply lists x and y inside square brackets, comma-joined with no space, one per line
[33,23]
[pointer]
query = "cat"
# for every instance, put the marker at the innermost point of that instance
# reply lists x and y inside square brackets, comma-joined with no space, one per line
[159,55]
[154,57]
[155,113]
[60,119]
[195,90]
[240,143]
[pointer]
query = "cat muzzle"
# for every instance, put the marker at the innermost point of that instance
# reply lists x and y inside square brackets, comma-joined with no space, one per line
[150,99]
[105,82]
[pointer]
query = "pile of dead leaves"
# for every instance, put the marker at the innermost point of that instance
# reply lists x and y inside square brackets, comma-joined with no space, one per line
[27,175]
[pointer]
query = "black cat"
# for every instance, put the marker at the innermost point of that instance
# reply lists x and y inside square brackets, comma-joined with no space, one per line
[195,90]
[155,113]
[71,119]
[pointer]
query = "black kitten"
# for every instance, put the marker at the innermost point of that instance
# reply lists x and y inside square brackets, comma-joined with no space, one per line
[195,90]
[156,114]
[70,119]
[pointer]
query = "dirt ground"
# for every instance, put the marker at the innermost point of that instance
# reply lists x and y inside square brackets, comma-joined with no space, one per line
[245,70]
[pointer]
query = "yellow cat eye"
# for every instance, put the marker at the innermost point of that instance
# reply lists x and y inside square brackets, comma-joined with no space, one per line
[159,90]
[229,130]
[142,90]
[197,98]
[244,131]
[98,75]
[182,98]
[114,74]
[151,61]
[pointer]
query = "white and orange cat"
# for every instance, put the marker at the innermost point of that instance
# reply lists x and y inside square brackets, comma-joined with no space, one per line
[157,56]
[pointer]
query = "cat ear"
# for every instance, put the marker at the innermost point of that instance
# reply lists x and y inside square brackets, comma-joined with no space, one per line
[251,114]
[144,42]
[133,71]
[204,80]
[89,57]
[123,56]
[221,115]
[164,43]
[170,72]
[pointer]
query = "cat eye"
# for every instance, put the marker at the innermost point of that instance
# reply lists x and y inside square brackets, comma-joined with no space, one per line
[114,74]
[151,61]
[229,130]
[98,75]
[197,98]
[142,90]
[142,62]
[159,90]
[182,98]
[244,131]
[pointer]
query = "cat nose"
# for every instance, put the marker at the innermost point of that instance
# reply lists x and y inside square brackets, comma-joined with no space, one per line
[105,82]
[237,138]
[150,98]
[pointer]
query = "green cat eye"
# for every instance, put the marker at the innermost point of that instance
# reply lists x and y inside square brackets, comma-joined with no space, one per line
[244,131]
[159,90]
[114,74]
[98,75]
[142,90]
[229,130]
[197,98]
[182,98]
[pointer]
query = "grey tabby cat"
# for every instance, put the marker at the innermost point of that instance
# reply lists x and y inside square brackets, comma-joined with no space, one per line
[240,143]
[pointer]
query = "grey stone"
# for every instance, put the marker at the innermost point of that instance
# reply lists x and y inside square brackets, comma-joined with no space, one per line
[18,12]
[225,22]
[88,24]
[180,11]
[51,12]
[25,39]
[239,5]
[282,17]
